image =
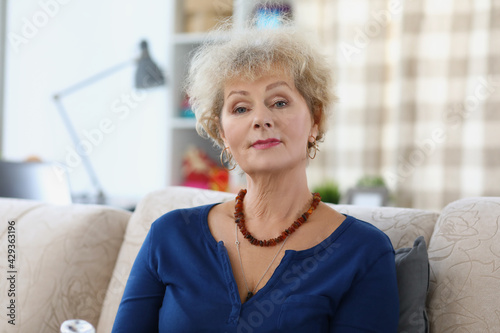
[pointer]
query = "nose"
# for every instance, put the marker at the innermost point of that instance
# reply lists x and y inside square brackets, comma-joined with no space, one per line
[262,117]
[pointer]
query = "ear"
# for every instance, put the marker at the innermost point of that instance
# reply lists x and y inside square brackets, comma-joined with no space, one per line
[316,119]
[221,131]
[314,131]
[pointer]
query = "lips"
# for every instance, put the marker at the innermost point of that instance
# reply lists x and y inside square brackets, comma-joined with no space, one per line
[265,144]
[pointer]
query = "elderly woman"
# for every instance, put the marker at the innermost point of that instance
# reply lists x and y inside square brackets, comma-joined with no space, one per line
[276,259]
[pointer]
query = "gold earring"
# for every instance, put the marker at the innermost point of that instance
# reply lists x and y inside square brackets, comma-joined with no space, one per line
[313,145]
[229,158]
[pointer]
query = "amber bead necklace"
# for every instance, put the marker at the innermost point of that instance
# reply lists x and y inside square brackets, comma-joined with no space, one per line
[240,223]
[239,219]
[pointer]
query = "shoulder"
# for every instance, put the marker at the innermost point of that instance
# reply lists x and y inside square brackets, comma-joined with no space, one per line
[185,215]
[180,231]
[181,220]
[369,249]
[367,237]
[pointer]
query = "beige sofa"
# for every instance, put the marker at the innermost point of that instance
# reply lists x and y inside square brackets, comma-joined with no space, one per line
[73,261]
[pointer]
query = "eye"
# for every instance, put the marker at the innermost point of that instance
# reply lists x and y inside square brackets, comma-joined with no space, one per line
[280,104]
[240,109]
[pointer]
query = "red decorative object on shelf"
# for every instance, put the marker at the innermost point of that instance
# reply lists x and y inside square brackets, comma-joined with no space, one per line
[201,172]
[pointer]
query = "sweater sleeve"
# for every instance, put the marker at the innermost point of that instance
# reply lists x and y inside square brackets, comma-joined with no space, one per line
[372,302]
[143,296]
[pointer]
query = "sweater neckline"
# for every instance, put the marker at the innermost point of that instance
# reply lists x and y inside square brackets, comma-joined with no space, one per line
[321,246]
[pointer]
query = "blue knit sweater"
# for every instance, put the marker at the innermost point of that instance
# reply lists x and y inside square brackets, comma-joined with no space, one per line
[182,281]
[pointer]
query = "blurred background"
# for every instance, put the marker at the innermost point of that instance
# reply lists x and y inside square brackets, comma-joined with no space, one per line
[418,85]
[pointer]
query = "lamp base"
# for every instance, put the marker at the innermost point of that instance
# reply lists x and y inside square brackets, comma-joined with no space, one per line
[86,198]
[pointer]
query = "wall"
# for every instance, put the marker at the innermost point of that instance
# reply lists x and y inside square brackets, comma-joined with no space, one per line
[53,44]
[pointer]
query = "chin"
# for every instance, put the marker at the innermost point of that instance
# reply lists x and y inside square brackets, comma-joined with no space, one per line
[270,167]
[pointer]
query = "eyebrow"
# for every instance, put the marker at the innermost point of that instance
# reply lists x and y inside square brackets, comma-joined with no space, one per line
[240,92]
[269,87]
[277,84]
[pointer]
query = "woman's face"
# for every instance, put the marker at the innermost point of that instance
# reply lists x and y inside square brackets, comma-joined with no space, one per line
[266,123]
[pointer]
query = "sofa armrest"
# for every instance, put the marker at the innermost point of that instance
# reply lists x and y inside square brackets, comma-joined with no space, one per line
[464,256]
[65,255]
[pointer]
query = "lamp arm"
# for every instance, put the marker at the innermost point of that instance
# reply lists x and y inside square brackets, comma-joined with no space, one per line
[71,129]
[97,77]
[85,159]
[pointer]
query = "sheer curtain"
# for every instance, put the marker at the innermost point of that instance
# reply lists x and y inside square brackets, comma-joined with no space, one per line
[419,89]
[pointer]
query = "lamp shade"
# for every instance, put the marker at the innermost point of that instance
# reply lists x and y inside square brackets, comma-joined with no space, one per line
[148,74]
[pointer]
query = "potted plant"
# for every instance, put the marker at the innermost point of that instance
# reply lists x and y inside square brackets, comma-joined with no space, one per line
[329,191]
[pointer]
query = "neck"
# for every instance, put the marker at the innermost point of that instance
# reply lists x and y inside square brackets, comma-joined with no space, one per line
[273,201]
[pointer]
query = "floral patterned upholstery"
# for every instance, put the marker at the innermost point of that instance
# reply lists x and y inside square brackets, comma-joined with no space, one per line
[65,258]
[464,256]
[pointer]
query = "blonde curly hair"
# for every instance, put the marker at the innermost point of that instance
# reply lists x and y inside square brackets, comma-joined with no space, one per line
[249,54]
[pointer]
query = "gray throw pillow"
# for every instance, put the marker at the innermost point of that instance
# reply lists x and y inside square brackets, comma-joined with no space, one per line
[412,269]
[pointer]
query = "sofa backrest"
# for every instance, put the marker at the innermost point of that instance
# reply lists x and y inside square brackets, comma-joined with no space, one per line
[401,225]
[64,258]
